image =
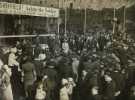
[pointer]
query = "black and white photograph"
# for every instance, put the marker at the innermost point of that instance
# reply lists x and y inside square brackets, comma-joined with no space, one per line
[67,49]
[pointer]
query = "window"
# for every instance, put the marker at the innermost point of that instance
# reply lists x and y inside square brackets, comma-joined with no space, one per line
[45,1]
[51,5]
[41,2]
[71,5]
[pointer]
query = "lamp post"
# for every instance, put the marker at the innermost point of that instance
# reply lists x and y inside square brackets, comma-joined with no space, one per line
[65,16]
[85,20]
[114,18]
[58,20]
[124,23]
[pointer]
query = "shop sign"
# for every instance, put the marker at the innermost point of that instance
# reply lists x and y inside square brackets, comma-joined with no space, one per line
[23,9]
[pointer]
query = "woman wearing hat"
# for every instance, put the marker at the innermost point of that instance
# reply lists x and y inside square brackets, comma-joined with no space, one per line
[5,85]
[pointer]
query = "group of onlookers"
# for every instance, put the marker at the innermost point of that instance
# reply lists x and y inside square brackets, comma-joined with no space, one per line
[76,67]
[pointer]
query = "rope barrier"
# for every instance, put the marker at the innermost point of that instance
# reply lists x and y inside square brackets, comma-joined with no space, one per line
[26,36]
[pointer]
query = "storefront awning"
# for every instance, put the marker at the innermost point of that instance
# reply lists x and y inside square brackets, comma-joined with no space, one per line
[23,9]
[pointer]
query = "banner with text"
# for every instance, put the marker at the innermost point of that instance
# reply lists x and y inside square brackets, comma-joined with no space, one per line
[23,9]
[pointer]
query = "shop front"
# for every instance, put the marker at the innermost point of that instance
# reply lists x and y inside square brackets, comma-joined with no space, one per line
[22,19]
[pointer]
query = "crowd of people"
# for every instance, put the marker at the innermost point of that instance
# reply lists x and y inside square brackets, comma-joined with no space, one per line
[94,66]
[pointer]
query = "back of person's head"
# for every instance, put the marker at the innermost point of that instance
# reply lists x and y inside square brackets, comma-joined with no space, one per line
[27,58]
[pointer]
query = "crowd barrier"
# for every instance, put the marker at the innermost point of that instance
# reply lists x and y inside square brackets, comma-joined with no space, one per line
[26,36]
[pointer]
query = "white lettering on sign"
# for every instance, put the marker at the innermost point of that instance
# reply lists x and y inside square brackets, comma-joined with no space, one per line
[23,9]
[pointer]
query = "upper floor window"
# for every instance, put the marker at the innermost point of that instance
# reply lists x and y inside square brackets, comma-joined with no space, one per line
[41,2]
[52,5]
[71,5]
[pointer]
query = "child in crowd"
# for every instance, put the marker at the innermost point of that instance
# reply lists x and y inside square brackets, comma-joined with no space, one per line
[64,93]
[132,93]
[40,93]
[71,85]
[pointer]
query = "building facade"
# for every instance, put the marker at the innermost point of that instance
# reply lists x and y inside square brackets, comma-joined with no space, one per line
[75,4]
[22,24]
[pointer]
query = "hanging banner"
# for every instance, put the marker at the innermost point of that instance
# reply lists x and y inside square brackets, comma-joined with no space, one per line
[23,9]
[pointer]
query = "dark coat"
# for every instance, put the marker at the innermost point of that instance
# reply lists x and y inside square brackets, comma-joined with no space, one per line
[28,69]
[39,68]
[50,83]
[95,97]
[117,76]
[84,87]
[109,91]
[52,78]
[65,68]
